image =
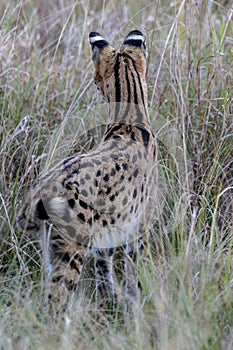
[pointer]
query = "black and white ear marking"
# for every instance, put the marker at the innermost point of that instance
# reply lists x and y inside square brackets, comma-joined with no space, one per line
[136,38]
[96,40]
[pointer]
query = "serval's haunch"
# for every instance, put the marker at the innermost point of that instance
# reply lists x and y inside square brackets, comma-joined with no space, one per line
[97,201]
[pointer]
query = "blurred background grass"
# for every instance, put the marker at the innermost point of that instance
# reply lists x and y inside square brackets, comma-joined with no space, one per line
[46,78]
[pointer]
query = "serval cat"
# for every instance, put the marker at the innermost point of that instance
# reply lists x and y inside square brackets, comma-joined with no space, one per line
[94,202]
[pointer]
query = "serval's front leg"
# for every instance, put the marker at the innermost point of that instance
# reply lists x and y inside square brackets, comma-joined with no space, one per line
[132,253]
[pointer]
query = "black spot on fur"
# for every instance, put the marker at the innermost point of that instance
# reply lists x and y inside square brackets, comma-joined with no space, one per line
[96,216]
[68,186]
[66,258]
[81,217]
[83,204]
[67,160]
[135,193]
[102,267]
[125,166]
[71,203]
[117,167]
[79,258]
[74,267]
[112,198]
[106,177]
[108,190]
[110,251]
[104,222]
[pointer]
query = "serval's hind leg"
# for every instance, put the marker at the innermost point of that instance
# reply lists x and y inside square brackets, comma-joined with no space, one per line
[105,282]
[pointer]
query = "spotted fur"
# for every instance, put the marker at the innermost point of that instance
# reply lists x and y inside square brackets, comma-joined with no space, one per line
[100,200]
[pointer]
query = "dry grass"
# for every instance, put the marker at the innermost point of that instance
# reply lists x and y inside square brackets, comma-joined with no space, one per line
[45,84]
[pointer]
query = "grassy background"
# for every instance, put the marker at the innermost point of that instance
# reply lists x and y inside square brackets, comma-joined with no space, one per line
[46,81]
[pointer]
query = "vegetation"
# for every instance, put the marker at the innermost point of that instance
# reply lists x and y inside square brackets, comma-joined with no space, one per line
[49,105]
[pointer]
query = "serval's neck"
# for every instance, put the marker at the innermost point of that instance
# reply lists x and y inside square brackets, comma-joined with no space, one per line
[126,92]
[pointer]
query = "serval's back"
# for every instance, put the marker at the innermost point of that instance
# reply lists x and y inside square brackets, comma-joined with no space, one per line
[100,200]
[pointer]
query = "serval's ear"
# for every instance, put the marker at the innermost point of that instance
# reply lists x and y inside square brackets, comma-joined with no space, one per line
[135,47]
[104,57]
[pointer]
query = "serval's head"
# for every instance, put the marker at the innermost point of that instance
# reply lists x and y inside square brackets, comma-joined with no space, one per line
[119,74]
